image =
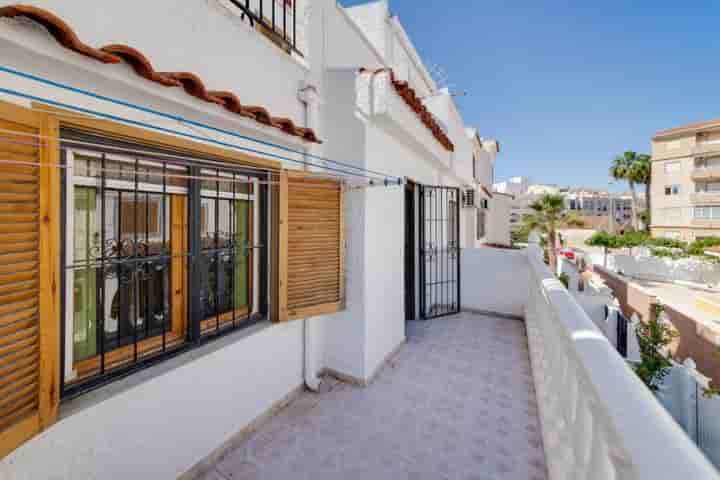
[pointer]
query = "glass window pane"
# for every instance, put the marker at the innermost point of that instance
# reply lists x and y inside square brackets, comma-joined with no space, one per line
[207,223]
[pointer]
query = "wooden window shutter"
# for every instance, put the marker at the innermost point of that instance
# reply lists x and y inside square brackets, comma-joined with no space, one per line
[29,274]
[311,256]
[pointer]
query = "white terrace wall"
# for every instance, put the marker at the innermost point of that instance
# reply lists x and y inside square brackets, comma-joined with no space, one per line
[667,269]
[598,419]
[494,280]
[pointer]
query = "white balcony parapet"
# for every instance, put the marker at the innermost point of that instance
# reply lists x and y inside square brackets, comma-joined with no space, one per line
[598,420]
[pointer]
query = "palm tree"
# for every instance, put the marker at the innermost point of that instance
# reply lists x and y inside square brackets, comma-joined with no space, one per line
[630,166]
[643,175]
[548,215]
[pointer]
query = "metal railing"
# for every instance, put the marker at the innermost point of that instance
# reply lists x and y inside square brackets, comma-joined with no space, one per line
[278,22]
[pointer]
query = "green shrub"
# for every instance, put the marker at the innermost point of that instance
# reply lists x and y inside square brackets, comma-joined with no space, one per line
[698,247]
[666,242]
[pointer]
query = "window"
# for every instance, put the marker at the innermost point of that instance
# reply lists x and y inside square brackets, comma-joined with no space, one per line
[671,167]
[129,235]
[226,232]
[706,213]
[276,19]
[672,189]
[480,224]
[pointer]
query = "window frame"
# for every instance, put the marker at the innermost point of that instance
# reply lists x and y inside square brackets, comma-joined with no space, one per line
[195,331]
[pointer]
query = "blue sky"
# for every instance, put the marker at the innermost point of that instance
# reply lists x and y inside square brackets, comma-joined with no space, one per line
[566,85]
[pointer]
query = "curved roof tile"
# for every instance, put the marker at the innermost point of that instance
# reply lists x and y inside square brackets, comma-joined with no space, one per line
[140,64]
[58,29]
[410,97]
[190,82]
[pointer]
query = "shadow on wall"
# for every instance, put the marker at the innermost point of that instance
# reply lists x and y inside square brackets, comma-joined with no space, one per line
[495,280]
[632,298]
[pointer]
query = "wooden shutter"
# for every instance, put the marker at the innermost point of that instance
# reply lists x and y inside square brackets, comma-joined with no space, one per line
[311,246]
[29,275]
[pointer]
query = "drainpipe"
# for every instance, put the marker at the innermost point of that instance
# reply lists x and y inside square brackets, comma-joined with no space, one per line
[308,96]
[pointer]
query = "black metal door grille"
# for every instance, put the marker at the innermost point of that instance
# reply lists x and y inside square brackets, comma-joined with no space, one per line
[439,251]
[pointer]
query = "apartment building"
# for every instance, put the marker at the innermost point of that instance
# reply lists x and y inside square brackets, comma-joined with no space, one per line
[685,181]
[594,202]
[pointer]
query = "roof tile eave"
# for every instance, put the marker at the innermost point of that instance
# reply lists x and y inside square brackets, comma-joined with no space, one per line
[408,94]
[191,83]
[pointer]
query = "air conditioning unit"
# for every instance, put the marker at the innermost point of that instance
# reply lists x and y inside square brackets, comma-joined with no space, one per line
[469,197]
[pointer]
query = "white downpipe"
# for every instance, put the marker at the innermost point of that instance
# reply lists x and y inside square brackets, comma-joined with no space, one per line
[309,97]
[312,382]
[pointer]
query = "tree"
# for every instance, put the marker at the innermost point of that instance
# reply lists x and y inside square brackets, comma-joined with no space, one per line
[548,215]
[628,167]
[654,336]
[605,240]
[643,174]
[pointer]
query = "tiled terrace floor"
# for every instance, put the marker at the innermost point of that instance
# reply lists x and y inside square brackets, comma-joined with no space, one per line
[457,402]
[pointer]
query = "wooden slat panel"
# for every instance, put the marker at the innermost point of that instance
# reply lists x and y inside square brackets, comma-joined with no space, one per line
[8,362]
[20,275]
[314,235]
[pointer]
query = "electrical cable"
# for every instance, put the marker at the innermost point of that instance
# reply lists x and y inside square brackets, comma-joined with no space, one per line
[177,118]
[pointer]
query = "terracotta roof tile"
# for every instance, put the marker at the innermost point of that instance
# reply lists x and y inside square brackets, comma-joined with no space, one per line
[58,29]
[140,64]
[416,105]
[191,83]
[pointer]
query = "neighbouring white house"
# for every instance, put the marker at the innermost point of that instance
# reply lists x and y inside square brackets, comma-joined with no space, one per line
[206,205]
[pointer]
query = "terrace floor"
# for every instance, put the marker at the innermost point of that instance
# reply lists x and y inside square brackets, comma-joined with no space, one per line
[457,402]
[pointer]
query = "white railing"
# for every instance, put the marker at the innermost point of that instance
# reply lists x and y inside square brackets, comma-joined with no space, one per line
[598,420]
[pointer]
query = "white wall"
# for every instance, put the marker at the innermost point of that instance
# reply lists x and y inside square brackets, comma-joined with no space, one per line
[598,419]
[494,280]
[223,47]
[162,427]
[498,220]
[667,269]
[385,275]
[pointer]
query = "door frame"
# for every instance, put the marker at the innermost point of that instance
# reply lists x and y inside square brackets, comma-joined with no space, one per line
[410,250]
[439,250]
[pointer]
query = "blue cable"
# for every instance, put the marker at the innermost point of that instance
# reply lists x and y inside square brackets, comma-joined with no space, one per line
[175,132]
[189,122]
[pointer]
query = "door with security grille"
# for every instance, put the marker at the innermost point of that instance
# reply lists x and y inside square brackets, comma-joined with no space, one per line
[439,251]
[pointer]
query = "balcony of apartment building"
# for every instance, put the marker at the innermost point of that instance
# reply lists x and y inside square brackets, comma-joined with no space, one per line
[705,197]
[521,384]
[706,143]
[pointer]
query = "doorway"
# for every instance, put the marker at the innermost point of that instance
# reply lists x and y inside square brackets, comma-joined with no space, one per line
[410,251]
[439,251]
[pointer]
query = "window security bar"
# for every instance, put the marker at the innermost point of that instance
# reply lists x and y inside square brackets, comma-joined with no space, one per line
[279,23]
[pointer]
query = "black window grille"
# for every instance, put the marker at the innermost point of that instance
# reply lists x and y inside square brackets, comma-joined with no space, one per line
[227,259]
[275,18]
[622,333]
[139,256]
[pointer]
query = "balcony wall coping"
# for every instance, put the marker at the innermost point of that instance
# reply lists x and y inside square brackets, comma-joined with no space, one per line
[598,419]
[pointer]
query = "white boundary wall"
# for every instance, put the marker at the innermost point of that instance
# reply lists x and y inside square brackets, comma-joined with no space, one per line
[494,280]
[598,420]
[668,270]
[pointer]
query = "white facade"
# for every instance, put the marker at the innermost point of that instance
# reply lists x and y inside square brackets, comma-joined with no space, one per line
[513,186]
[360,119]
